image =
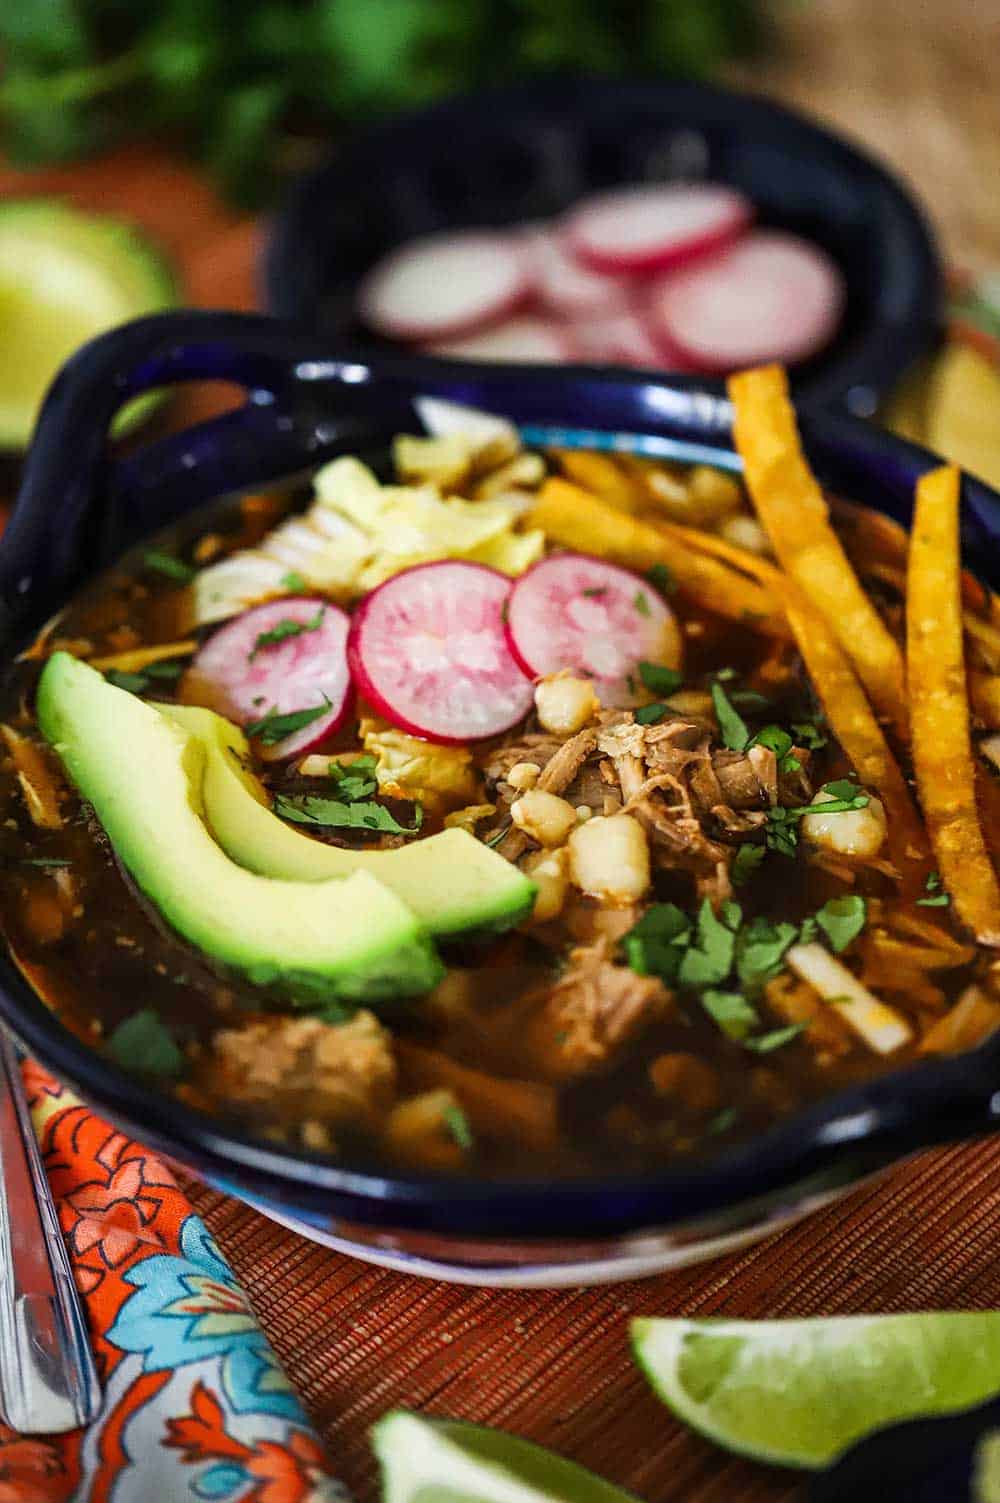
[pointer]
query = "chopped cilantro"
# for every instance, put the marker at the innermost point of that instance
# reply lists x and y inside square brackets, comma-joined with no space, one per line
[651,714]
[782,833]
[294,581]
[596,592]
[748,859]
[808,734]
[726,675]
[722,1121]
[458,1125]
[808,931]
[842,919]
[765,1042]
[307,809]
[134,683]
[167,668]
[143,1044]
[272,727]
[937,899]
[654,946]
[760,951]
[732,725]
[354,780]
[285,629]
[661,579]
[709,959]
[641,603]
[780,742]
[731,1010]
[844,788]
[749,699]
[782,824]
[167,565]
[660,680]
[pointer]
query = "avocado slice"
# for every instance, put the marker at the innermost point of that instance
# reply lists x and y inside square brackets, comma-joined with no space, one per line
[66,276]
[452,881]
[348,939]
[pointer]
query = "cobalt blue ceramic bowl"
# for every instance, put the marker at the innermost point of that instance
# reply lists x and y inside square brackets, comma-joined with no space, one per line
[515,154]
[79,509]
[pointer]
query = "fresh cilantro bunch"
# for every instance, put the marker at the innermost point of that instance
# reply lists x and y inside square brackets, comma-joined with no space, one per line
[238,81]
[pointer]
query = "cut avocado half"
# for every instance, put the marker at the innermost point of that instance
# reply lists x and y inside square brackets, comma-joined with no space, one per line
[453,883]
[347,939]
[66,276]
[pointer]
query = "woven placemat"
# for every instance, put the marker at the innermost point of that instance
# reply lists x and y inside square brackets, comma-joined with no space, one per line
[554,1366]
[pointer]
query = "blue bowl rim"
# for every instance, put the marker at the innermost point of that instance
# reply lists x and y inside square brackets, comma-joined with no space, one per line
[855,379]
[861,1127]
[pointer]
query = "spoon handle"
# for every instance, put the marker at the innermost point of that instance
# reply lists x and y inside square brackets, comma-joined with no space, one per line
[48,1379]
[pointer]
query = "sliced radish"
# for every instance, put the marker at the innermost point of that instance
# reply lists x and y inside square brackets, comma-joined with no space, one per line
[247,679]
[525,339]
[567,286]
[578,612]
[653,226]
[427,650]
[618,339]
[770,297]
[445,285]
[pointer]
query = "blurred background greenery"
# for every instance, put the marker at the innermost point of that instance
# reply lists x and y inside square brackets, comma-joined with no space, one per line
[245,85]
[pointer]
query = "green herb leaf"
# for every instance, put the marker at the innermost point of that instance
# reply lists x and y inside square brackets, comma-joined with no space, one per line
[458,1125]
[735,734]
[651,714]
[167,565]
[144,1045]
[133,683]
[641,603]
[655,945]
[167,668]
[294,582]
[764,1043]
[661,579]
[932,885]
[309,809]
[749,699]
[842,919]
[660,680]
[761,949]
[596,592]
[808,734]
[285,629]
[808,931]
[273,727]
[354,780]
[748,859]
[845,788]
[782,833]
[709,960]
[722,1121]
[731,1010]
[725,675]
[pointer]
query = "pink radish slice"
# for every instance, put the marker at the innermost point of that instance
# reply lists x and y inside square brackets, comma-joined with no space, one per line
[246,682]
[444,285]
[519,339]
[566,286]
[617,339]
[770,297]
[578,612]
[650,227]
[427,650]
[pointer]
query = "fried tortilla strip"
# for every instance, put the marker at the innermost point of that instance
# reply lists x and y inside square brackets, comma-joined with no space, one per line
[794,513]
[141,657]
[574,518]
[939,707]
[603,476]
[984,696]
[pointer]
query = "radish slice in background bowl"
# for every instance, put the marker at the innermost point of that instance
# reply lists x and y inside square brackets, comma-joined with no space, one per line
[445,285]
[574,611]
[528,338]
[648,228]
[428,652]
[564,284]
[278,659]
[772,296]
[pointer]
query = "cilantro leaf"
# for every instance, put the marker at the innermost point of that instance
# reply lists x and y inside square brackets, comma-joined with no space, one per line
[308,809]
[458,1125]
[272,727]
[731,1010]
[735,734]
[168,566]
[842,919]
[748,859]
[167,668]
[655,945]
[661,579]
[939,899]
[285,629]
[650,714]
[749,699]
[782,833]
[143,1044]
[294,581]
[845,788]
[133,683]
[660,680]
[354,780]
[781,743]
[760,950]
[709,960]
[808,931]
[808,734]
[765,1042]
[722,1121]
[641,603]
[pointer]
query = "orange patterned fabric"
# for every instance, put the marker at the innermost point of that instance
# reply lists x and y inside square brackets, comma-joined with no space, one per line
[196,1405]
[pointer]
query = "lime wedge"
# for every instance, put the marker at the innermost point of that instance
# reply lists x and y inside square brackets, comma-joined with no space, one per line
[446,1461]
[797,1392]
[65,276]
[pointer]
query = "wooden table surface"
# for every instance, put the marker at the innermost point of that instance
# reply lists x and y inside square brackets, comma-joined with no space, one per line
[917,83]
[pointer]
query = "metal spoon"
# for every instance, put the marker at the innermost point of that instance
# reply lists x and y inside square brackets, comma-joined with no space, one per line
[48,1379]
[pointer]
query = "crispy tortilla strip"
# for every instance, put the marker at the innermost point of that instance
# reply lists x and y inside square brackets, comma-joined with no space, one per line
[939,708]
[794,513]
[711,544]
[574,518]
[603,476]
[973,1018]
[988,804]
[141,657]
[38,782]
[984,696]
[494,1104]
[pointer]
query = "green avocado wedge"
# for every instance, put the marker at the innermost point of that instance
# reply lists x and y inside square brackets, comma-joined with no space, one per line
[66,276]
[350,939]
[452,881]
